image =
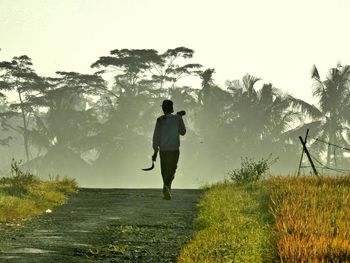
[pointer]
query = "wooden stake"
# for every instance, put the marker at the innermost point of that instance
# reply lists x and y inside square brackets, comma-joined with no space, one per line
[308,156]
[302,153]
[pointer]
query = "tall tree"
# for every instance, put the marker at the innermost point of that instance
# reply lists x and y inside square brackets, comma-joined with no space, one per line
[140,77]
[262,113]
[19,76]
[259,121]
[170,71]
[68,118]
[64,121]
[144,66]
[215,146]
[331,117]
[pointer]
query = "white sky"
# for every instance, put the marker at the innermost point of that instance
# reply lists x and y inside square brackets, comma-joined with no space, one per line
[277,40]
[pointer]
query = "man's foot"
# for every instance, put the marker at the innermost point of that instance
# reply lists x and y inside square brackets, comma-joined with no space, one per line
[166,193]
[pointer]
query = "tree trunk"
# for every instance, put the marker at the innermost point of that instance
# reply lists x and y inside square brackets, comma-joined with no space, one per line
[329,152]
[331,140]
[25,135]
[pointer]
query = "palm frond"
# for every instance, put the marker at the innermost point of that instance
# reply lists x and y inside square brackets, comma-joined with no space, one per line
[315,74]
[249,81]
[314,130]
[305,107]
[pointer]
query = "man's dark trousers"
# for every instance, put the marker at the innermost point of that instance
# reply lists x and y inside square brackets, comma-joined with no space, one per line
[168,165]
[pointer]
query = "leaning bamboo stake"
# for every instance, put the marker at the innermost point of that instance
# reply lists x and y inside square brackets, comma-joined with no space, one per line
[308,156]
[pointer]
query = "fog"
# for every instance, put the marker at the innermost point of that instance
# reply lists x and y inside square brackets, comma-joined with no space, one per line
[97,128]
[81,84]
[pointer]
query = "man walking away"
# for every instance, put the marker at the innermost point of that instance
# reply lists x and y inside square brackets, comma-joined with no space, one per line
[166,139]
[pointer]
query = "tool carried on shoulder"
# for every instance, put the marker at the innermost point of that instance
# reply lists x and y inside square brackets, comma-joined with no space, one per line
[181,113]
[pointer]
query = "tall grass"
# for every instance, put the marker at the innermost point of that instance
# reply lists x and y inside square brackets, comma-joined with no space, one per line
[279,219]
[23,195]
[312,221]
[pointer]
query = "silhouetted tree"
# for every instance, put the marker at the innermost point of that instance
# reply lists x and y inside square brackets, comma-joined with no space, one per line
[260,114]
[331,118]
[170,71]
[140,77]
[68,118]
[144,66]
[19,76]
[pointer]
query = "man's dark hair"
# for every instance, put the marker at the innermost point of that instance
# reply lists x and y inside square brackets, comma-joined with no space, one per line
[167,106]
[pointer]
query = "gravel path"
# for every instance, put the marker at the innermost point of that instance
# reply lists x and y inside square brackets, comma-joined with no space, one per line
[106,225]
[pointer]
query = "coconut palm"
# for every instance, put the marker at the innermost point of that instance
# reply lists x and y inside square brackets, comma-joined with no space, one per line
[259,116]
[331,117]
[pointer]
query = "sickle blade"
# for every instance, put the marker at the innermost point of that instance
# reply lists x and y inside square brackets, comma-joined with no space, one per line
[149,169]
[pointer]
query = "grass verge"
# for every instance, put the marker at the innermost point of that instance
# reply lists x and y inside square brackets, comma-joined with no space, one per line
[23,195]
[233,225]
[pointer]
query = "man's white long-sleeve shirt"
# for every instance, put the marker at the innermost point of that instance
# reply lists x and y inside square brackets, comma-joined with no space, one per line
[166,136]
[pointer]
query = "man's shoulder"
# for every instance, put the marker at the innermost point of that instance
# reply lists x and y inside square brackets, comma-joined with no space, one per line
[174,117]
[160,118]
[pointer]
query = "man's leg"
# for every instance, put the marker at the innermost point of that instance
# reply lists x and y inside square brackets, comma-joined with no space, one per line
[173,160]
[168,162]
[164,166]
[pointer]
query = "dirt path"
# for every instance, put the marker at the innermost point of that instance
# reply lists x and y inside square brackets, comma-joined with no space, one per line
[108,225]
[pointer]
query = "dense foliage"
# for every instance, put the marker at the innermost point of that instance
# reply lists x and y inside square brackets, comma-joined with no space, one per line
[82,124]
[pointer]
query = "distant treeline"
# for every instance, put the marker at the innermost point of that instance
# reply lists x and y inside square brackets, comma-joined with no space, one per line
[82,123]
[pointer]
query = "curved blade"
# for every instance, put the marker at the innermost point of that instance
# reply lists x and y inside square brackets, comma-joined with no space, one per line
[149,169]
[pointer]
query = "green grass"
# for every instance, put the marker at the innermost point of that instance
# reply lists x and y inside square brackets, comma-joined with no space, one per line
[23,195]
[233,225]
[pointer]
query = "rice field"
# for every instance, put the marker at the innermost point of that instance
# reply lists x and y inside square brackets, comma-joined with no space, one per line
[312,218]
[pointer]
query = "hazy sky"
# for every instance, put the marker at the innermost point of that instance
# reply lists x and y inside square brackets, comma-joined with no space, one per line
[277,40]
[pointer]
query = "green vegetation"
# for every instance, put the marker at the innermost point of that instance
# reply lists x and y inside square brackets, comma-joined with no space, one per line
[277,219]
[233,225]
[250,171]
[80,124]
[24,195]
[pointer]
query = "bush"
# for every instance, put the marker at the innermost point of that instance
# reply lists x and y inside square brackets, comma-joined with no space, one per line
[19,176]
[251,171]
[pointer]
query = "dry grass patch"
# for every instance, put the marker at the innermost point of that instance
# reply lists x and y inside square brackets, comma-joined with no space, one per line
[312,218]
[23,195]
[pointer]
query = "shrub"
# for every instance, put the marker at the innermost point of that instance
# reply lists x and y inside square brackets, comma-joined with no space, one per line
[250,170]
[67,185]
[18,183]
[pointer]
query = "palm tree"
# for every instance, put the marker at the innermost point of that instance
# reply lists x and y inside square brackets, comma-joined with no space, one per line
[259,116]
[331,117]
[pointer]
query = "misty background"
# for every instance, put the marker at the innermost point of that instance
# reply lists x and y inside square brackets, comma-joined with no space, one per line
[82,83]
